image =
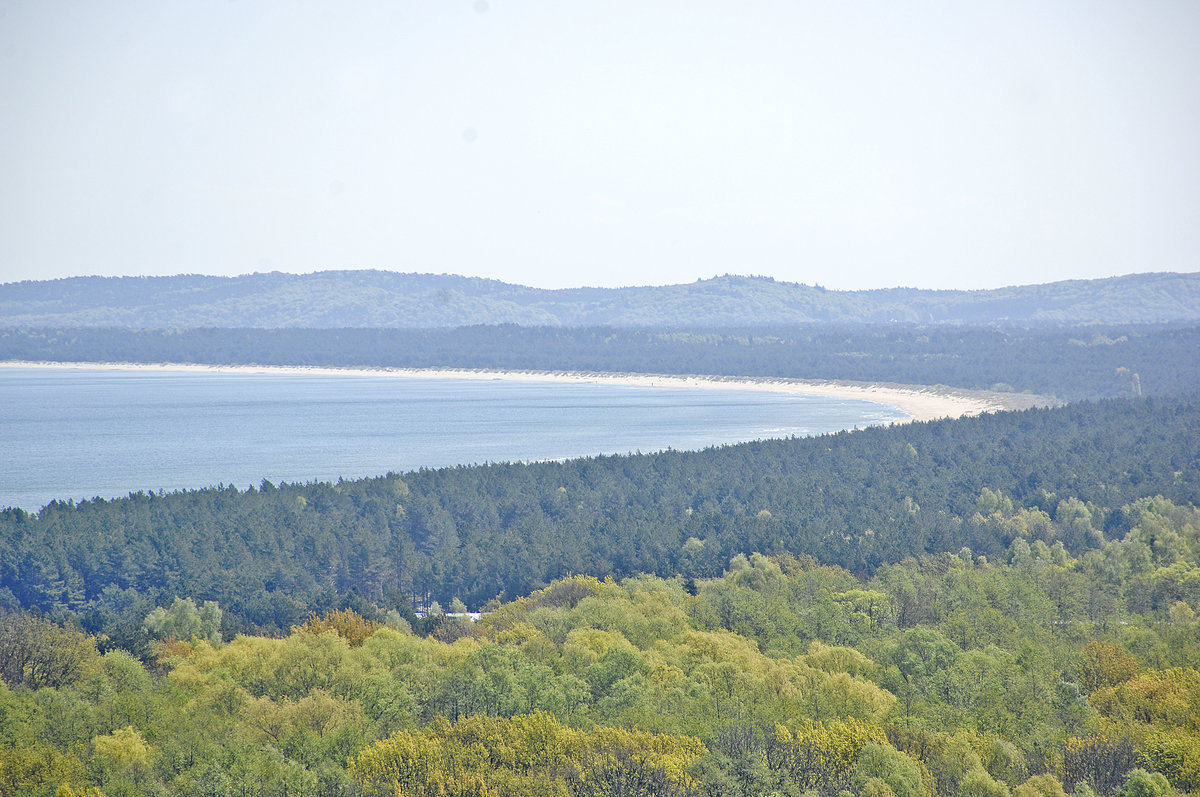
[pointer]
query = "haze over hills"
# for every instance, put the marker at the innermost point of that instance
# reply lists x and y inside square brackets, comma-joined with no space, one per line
[342,299]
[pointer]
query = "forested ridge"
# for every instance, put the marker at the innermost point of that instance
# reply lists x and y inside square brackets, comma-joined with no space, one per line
[1069,362]
[339,299]
[857,500]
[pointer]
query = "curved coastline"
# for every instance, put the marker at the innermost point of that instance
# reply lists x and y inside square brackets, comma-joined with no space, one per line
[919,402]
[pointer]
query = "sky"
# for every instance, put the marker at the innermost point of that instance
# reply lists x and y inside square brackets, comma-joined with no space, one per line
[602,142]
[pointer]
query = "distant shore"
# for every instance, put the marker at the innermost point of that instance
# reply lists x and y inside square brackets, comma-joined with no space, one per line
[921,403]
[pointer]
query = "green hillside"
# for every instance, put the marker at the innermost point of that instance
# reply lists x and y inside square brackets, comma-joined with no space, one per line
[335,299]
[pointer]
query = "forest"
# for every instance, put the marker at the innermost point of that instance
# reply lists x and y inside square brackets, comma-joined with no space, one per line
[1000,605]
[384,299]
[1068,362]
[1026,674]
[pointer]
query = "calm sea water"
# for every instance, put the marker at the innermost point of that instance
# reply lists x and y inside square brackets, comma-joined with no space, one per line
[78,434]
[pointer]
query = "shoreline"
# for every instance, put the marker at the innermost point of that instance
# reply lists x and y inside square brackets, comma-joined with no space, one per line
[919,402]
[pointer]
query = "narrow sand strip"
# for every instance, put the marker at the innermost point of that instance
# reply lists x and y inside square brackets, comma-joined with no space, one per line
[921,403]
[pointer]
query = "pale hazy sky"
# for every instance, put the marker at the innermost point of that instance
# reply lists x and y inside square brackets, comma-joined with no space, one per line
[602,142]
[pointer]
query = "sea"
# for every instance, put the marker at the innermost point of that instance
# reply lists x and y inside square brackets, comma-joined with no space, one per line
[73,434]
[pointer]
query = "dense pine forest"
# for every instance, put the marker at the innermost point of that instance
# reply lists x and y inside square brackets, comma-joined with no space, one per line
[1068,362]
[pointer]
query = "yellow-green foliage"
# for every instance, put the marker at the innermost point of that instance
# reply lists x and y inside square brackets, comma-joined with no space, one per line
[346,623]
[817,752]
[1176,754]
[527,754]
[945,676]
[1104,665]
[124,747]
[1165,698]
[66,790]
[839,660]
[636,648]
[28,768]
[1040,786]
[881,762]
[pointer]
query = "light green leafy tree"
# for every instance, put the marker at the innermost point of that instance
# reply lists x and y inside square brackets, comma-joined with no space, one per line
[185,620]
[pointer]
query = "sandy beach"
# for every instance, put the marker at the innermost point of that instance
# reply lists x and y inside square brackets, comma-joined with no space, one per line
[921,403]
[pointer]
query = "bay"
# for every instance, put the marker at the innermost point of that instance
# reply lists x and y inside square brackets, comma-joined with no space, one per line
[75,434]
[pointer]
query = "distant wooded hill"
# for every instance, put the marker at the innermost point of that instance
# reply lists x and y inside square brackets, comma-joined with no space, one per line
[341,299]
